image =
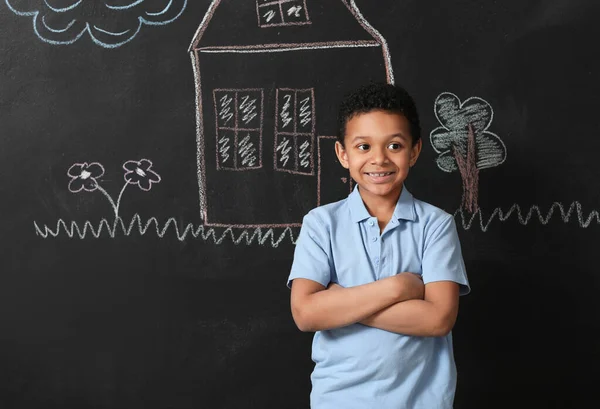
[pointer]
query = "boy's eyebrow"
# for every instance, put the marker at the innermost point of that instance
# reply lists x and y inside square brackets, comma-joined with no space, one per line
[398,135]
[359,137]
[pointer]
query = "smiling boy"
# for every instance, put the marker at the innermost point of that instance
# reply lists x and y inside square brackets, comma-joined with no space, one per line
[377,276]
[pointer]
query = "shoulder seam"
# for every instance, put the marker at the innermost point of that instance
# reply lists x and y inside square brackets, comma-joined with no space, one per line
[435,232]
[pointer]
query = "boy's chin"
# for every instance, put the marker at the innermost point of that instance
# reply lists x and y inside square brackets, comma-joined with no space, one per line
[381,191]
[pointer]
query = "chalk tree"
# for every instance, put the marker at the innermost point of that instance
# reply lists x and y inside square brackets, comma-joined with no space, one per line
[464,143]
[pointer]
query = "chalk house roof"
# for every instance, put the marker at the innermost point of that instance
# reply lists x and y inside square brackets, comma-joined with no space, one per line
[256,24]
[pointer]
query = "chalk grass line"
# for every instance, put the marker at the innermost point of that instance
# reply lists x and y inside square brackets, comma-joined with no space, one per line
[533,213]
[118,227]
[268,237]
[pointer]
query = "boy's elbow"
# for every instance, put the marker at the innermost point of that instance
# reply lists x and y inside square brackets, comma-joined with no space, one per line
[442,326]
[302,319]
[441,330]
[305,311]
[304,327]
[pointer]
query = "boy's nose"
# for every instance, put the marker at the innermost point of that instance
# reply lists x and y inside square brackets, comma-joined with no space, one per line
[378,156]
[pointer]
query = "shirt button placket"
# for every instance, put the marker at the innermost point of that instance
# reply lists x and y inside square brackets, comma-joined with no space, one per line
[374,233]
[376,245]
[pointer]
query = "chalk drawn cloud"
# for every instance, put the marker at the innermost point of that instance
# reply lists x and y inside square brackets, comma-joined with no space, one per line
[109,23]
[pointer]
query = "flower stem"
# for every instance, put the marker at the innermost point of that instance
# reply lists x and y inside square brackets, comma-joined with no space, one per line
[119,200]
[112,202]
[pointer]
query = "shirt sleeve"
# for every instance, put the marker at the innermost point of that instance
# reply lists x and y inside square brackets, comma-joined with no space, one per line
[312,252]
[442,257]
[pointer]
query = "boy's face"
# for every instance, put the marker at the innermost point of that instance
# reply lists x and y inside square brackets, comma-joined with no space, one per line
[379,152]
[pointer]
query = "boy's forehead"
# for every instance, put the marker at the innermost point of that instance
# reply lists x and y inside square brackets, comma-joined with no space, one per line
[374,118]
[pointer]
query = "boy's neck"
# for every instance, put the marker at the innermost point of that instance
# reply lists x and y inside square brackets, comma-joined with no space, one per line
[381,207]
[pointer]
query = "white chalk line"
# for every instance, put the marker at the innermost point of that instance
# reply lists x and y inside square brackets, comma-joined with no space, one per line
[118,227]
[323,46]
[269,237]
[199,136]
[205,20]
[386,51]
[534,212]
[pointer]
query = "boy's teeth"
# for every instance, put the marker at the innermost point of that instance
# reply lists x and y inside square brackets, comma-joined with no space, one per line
[380,174]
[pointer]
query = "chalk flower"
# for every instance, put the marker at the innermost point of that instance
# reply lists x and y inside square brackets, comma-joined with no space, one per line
[140,173]
[83,176]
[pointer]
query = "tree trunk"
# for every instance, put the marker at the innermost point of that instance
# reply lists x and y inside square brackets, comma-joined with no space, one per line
[469,173]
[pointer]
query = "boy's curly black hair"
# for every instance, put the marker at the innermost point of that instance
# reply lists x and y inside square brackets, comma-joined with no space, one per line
[374,97]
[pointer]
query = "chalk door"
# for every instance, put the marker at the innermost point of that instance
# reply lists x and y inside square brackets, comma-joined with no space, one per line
[334,182]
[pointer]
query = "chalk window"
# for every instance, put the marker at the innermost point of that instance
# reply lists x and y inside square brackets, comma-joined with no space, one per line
[239,114]
[281,12]
[295,131]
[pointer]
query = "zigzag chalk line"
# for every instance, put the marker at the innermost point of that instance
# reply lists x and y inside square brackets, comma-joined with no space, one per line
[268,237]
[118,226]
[584,222]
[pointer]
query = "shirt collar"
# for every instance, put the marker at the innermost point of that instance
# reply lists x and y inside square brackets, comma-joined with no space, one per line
[405,208]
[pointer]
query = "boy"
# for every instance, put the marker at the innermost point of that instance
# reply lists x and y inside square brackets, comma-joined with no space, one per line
[378,275]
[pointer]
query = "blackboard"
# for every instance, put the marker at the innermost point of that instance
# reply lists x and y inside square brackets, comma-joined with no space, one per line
[157,157]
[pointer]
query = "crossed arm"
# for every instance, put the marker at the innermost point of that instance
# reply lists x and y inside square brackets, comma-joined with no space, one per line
[400,303]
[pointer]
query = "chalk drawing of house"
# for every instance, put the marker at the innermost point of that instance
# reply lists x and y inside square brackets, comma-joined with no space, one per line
[269,76]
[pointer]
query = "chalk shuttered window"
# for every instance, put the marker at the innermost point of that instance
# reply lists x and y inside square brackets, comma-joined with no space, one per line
[281,13]
[239,116]
[295,131]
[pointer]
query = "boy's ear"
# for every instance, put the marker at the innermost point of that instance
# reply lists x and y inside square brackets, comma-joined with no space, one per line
[341,154]
[415,152]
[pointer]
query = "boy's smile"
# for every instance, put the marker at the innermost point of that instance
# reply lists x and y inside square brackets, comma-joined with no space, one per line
[378,151]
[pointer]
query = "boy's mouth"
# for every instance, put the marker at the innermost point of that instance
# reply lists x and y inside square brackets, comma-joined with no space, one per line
[379,174]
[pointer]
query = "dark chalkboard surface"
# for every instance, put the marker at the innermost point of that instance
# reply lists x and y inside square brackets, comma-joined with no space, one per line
[157,158]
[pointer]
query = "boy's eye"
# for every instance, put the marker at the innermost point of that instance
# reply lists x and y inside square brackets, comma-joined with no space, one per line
[363,147]
[394,146]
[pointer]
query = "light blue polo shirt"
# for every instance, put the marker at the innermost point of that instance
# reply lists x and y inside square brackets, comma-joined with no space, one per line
[360,367]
